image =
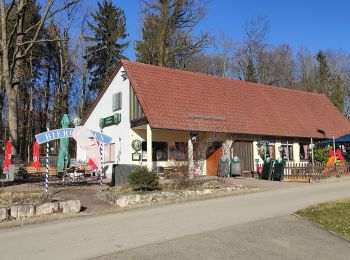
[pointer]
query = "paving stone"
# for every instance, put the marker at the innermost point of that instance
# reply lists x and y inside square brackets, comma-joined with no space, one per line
[3,214]
[22,211]
[70,206]
[46,208]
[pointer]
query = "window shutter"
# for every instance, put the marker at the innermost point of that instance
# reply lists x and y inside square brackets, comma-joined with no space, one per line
[117,101]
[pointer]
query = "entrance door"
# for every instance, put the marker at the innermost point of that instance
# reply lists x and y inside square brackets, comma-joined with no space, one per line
[244,151]
[213,162]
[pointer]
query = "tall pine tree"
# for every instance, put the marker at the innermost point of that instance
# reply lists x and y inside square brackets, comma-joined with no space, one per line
[108,43]
[323,73]
[329,84]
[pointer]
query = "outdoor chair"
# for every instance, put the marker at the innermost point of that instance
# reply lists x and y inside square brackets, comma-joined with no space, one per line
[278,170]
[267,170]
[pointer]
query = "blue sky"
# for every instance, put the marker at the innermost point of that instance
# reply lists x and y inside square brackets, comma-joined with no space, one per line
[315,24]
[321,24]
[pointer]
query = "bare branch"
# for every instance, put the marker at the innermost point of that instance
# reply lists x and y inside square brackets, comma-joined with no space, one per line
[45,17]
[41,40]
[9,9]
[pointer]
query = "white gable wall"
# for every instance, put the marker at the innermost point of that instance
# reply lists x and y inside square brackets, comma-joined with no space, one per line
[120,133]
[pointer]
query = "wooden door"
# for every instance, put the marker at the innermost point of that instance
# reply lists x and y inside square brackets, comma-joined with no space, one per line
[213,162]
[244,151]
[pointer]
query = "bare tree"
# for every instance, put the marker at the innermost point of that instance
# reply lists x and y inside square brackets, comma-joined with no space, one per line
[22,41]
[225,46]
[246,57]
[276,66]
[307,69]
[168,38]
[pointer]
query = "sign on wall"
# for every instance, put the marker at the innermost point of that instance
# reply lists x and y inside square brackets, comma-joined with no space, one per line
[110,120]
[136,145]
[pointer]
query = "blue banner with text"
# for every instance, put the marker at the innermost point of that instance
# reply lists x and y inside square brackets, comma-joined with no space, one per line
[66,133]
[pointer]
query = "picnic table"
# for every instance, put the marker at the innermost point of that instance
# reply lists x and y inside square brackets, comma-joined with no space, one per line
[78,175]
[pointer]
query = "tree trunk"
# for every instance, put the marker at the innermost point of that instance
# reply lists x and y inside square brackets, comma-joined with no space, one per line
[13,116]
[83,97]
[2,125]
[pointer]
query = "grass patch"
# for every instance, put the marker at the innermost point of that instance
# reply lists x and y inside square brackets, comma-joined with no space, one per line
[10,198]
[333,216]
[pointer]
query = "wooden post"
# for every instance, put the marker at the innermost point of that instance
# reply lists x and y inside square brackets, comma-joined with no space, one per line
[149,148]
[190,157]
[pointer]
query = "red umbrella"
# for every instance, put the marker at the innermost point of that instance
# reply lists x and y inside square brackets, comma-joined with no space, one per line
[7,162]
[36,155]
[92,164]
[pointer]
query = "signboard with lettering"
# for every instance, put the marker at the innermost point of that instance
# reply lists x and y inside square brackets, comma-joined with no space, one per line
[68,132]
[110,120]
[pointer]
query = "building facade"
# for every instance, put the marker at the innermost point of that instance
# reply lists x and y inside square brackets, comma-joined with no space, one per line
[186,117]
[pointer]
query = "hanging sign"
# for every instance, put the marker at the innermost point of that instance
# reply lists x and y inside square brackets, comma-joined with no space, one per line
[110,120]
[68,132]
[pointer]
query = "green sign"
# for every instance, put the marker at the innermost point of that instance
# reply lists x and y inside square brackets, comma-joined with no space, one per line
[136,145]
[136,156]
[256,160]
[111,120]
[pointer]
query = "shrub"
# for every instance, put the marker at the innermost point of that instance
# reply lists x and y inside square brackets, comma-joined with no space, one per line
[181,177]
[321,154]
[143,179]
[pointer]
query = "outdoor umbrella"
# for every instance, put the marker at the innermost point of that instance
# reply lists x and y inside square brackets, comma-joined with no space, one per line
[8,150]
[63,154]
[92,165]
[342,139]
[36,155]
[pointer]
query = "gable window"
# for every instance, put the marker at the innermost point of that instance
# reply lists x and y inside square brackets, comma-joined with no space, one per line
[117,101]
[136,111]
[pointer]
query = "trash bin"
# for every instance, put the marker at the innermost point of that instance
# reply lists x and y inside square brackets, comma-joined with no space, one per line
[278,170]
[224,167]
[235,167]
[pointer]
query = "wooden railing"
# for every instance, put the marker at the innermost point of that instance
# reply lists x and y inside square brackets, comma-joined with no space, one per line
[313,172]
[308,172]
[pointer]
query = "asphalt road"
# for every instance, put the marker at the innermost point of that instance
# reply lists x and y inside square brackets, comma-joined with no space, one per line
[287,237]
[102,235]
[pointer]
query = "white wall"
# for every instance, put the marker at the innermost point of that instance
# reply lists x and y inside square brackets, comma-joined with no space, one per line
[120,133]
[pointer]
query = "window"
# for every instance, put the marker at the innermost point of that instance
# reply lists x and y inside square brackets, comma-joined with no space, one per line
[304,151]
[117,101]
[109,152]
[178,152]
[159,151]
[271,151]
[181,151]
[287,150]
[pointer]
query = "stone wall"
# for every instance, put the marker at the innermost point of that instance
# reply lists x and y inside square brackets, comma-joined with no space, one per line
[129,200]
[29,211]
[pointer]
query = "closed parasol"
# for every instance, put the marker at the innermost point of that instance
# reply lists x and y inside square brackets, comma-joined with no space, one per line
[36,155]
[63,155]
[8,150]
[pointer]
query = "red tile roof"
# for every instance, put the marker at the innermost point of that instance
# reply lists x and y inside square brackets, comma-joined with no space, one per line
[176,99]
[182,100]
